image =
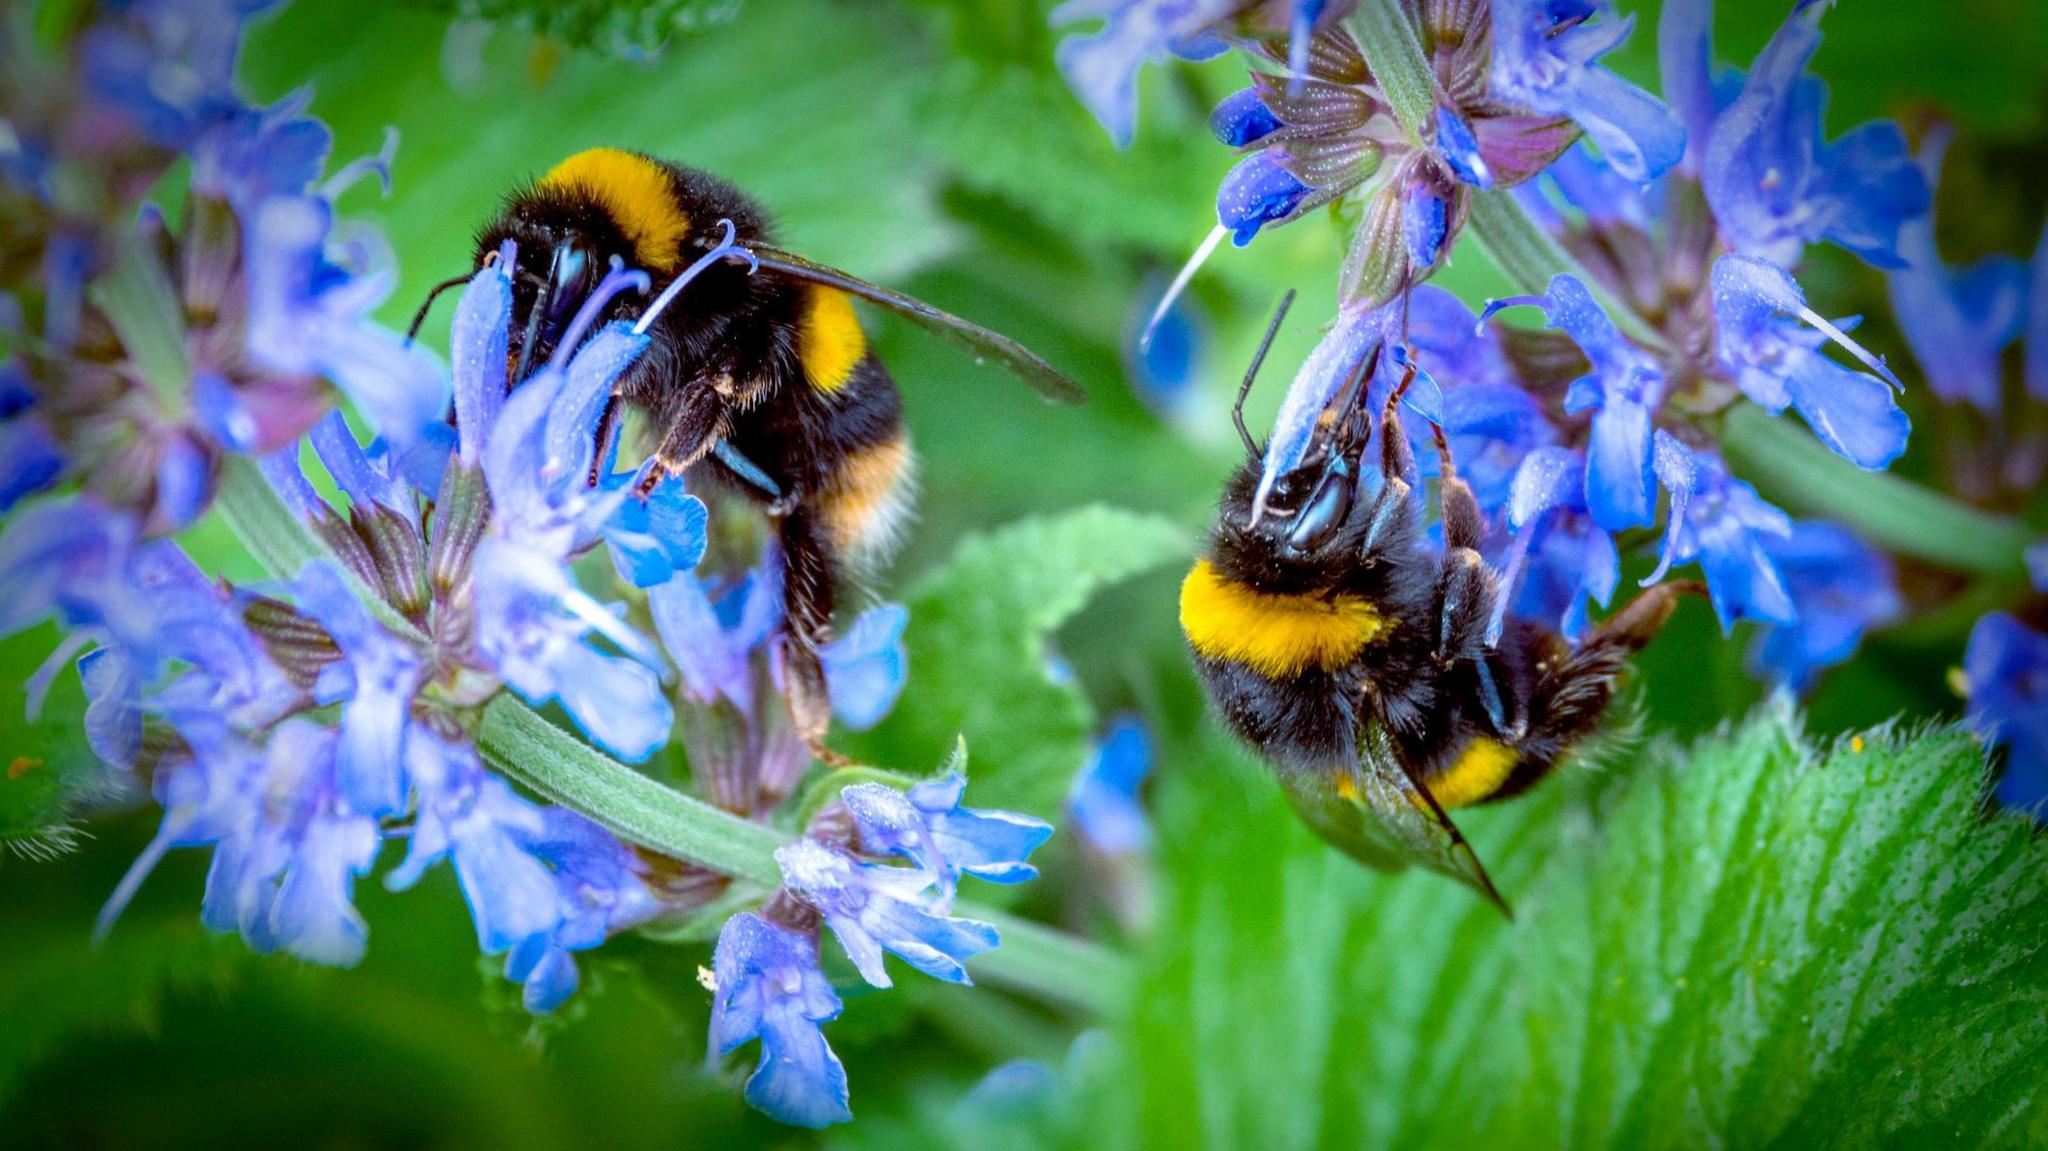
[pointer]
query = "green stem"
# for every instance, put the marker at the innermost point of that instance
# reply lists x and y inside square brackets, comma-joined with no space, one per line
[564,769]
[1393,51]
[137,297]
[1895,514]
[1530,256]
[522,745]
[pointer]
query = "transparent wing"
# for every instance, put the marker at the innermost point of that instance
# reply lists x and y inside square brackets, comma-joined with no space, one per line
[1047,380]
[1380,815]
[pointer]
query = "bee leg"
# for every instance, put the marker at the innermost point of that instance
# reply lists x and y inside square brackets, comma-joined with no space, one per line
[607,427]
[1397,471]
[1468,585]
[1576,686]
[808,584]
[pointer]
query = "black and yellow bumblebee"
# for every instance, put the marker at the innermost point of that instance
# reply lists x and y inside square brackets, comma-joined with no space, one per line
[759,377]
[1357,661]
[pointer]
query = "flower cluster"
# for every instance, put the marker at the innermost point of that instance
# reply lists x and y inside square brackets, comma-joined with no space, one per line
[295,727]
[767,973]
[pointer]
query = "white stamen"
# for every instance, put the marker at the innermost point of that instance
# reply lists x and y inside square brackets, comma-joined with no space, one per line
[1180,282]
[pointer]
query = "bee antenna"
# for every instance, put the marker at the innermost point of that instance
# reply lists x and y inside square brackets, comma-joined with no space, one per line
[420,317]
[1251,374]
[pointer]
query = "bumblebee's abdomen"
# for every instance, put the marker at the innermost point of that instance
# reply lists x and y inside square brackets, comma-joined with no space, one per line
[1474,771]
[1301,721]
[829,343]
[1275,635]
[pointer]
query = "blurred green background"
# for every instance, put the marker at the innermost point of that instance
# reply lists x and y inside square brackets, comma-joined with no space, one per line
[931,146]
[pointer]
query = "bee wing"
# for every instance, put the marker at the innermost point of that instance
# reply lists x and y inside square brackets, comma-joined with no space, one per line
[1049,381]
[1382,816]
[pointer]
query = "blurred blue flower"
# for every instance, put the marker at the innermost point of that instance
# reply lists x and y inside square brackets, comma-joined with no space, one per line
[1544,58]
[1102,66]
[1104,804]
[865,669]
[1774,180]
[166,68]
[1958,321]
[1164,362]
[2005,670]
[374,681]
[1776,360]
[770,987]
[872,908]
[1841,588]
[929,827]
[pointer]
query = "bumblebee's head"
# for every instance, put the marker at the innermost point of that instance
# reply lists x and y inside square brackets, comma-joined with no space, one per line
[1305,520]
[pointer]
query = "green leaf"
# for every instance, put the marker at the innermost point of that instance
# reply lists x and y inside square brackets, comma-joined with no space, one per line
[977,637]
[1761,942]
[47,776]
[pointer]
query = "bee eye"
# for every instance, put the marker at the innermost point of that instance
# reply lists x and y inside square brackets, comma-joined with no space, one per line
[572,284]
[1324,512]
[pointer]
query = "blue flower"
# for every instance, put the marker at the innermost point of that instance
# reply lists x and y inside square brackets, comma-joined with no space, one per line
[1243,119]
[1259,191]
[872,908]
[541,883]
[1841,588]
[167,67]
[1560,560]
[1775,182]
[374,681]
[1777,362]
[287,849]
[1959,321]
[1357,332]
[865,669]
[1721,522]
[1460,149]
[2006,672]
[929,827]
[30,458]
[1544,54]
[1104,804]
[770,987]
[1102,67]
[1623,391]
[1425,223]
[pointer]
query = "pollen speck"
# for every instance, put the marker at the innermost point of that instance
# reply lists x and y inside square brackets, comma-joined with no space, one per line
[706,979]
[1959,683]
[1856,744]
[21,766]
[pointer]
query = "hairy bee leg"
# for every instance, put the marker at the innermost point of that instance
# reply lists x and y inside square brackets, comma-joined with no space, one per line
[1576,687]
[809,579]
[1640,619]
[1464,527]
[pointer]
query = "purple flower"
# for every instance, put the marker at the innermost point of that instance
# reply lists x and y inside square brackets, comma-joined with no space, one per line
[770,987]
[1544,54]
[1104,804]
[1777,362]
[872,908]
[2006,672]
[167,67]
[1958,321]
[1777,184]
[374,681]
[30,458]
[929,827]
[1841,588]
[1164,365]
[1460,149]
[865,669]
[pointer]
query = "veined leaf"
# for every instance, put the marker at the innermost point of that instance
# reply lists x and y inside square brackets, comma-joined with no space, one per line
[978,630]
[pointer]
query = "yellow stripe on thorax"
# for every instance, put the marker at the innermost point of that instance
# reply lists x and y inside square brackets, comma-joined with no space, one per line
[638,195]
[1275,635]
[1481,767]
[829,342]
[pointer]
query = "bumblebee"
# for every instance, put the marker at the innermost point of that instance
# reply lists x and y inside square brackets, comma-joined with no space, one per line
[1358,663]
[761,377]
